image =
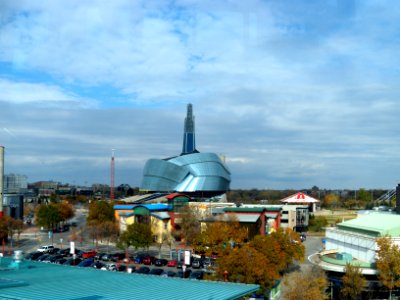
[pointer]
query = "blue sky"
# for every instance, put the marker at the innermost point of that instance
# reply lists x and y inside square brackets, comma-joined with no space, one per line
[293,93]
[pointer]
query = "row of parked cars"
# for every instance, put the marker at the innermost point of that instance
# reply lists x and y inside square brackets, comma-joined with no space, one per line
[119,262]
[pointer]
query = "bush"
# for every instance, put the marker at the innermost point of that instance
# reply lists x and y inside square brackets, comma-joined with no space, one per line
[317,224]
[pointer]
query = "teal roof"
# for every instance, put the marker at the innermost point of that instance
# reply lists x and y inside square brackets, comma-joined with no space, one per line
[35,280]
[376,224]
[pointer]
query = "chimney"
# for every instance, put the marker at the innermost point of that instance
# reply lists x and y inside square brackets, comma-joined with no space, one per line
[1,180]
[398,199]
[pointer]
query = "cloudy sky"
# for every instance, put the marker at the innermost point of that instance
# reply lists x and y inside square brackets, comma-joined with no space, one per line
[293,93]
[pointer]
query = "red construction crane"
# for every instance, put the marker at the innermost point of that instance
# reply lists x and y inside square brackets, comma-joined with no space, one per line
[112,186]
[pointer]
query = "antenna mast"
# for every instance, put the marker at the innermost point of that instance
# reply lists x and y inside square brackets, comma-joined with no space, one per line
[112,175]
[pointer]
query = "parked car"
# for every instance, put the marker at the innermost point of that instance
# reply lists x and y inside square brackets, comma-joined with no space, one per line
[172,263]
[53,250]
[33,255]
[44,257]
[181,274]
[45,249]
[117,256]
[197,264]
[148,260]
[168,273]
[98,265]
[55,257]
[156,271]
[89,253]
[197,275]
[60,261]
[72,261]
[143,270]
[160,262]
[86,262]
[138,259]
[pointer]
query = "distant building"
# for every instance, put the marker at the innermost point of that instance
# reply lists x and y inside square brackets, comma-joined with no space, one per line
[192,172]
[15,184]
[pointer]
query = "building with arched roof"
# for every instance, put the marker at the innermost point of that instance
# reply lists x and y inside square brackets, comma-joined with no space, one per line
[192,172]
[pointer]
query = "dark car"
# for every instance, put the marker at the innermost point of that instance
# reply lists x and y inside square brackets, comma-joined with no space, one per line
[156,271]
[33,255]
[148,260]
[168,273]
[54,258]
[98,265]
[120,268]
[182,274]
[160,262]
[60,261]
[197,275]
[53,250]
[143,270]
[86,262]
[44,257]
[72,261]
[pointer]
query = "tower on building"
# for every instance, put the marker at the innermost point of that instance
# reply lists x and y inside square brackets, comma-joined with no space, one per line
[189,140]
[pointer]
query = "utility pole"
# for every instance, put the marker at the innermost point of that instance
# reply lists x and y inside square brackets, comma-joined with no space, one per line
[112,185]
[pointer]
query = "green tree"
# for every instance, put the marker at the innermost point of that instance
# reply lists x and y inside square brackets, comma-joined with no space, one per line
[48,216]
[353,283]
[388,263]
[137,235]
[311,283]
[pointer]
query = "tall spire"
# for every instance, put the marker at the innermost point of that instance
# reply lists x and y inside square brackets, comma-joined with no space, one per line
[189,141]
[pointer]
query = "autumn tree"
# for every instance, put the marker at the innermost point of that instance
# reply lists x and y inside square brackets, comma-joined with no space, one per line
[262,260]
[99,213]
[353,283]
[189,225]
[218,234]
[66,211]
[137,235]
[311,283]
[388,263]
[283,247]
[247,265]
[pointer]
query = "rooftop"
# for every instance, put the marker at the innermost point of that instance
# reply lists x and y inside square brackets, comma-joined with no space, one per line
[374,224]
[35,280]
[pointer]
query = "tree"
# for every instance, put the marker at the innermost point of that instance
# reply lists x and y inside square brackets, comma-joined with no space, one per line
[137,235]
[388,263]
[247,265]
[217,235]
[100,212]
[311,283]
[48,216]
[66,211]
[353,282]
[190,225]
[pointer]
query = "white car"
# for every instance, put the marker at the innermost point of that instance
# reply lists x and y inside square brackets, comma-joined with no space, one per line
[45,249]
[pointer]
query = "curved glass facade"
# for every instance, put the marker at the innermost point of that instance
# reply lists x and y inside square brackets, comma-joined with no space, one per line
[195,172]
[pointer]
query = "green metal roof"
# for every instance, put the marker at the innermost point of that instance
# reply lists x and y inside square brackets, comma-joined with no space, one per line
[35,280]
[375,224]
